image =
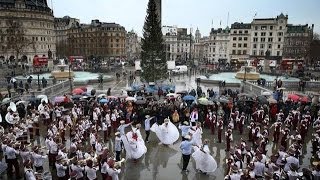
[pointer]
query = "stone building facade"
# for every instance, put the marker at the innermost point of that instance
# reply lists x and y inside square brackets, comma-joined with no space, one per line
[267,34]
[61,27]
[240,42]
[297,42]
[37,22]
[99,39]
[133,45]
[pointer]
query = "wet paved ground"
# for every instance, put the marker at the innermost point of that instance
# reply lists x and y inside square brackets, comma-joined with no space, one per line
[164,162]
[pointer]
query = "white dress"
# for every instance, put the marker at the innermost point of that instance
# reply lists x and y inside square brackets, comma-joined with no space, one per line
[197,136]
[135,148]
[204,161]
[166,134]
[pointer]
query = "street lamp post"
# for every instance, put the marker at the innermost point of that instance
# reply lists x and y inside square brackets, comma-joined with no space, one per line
[70,79]
[39,87]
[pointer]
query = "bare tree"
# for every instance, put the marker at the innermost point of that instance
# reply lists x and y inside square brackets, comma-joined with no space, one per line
[15,38]
[316,36]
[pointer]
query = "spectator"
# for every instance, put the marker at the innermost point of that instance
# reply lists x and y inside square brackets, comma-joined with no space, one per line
[44,82]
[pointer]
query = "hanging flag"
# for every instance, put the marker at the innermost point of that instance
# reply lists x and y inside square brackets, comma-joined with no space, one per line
[220,22]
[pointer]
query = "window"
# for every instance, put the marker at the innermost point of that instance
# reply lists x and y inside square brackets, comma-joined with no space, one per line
[239,52]
[271,27]
[261,52]
[269,46]
[233,51]
[246,31]
[280,27]
[255,34]
[245,38]
[279,46]
[263,34]
[255,39]
[234,45]
[261,46]
[245,45]
[240,38]
[254,52]
[239,45]
[256,27]
[279,39]
[254,46]
[270,33]
[263,27]
[263,39]
[234,38]
[278,53]
[235,32]
[280,33]
[244,52]
[270,39]
[240,32]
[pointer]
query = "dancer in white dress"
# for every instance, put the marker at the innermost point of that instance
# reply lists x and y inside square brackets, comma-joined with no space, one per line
[197,134]
[204,161]
[167,132]
[134,144]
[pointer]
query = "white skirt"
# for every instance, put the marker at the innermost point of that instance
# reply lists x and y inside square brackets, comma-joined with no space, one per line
[134,149]
[166,134]
[204,161]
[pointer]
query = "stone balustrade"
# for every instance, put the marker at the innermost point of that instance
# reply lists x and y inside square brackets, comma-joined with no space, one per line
[59,88]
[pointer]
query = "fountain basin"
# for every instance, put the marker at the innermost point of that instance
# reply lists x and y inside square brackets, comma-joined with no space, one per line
[230,77]
[80,77]
[248,76]
[62,75]
[248,72]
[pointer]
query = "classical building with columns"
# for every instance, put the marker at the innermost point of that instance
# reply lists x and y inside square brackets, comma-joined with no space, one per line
[36,20]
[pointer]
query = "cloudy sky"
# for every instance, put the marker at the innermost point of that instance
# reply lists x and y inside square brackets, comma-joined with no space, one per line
[189,13]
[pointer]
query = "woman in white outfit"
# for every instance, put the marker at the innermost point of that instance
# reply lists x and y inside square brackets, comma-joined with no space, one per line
[134,144]
[204,161]
[197,134]
[167,132]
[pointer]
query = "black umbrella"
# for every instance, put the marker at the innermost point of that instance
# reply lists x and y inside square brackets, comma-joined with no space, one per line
[262,100]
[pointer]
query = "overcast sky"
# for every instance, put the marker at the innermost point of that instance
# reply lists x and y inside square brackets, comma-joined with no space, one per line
[189,13]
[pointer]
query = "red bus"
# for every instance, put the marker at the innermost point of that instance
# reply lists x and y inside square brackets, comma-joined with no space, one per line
[76,59]
[40,61]
[288,64]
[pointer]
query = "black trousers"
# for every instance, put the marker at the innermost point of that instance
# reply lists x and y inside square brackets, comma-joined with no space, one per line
[147,135]
[15,163]
[39,169]
[118,153]
[185,159]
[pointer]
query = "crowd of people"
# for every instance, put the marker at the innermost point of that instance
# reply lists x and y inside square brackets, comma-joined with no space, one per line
[90,121]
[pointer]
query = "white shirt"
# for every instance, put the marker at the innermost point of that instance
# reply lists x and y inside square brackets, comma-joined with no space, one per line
[77,169]
[11,153]
[99,149]
[92,139]
[194,116]
[38,159]
[25,155]
[91,172]
[104,168]
[259,168]
[114,173]
[61,170]
[29,174]
[147,124]
[53,147]
[104,126]
[290,160]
